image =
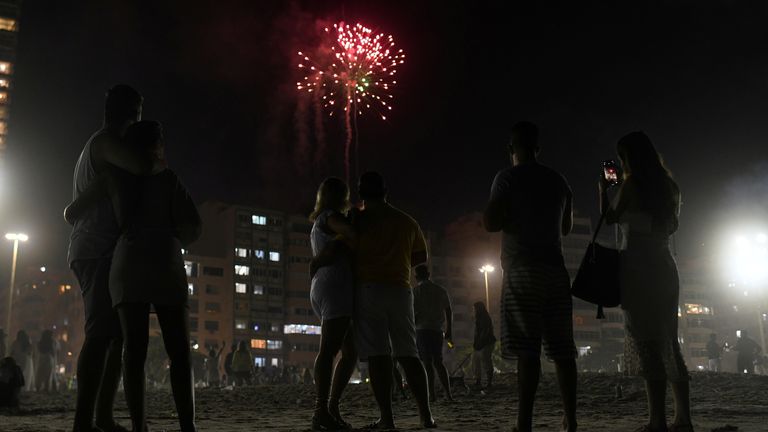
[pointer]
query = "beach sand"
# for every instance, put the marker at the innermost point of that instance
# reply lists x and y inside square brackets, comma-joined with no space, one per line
[718,400]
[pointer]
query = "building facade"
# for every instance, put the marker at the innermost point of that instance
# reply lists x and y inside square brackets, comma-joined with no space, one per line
[9,28]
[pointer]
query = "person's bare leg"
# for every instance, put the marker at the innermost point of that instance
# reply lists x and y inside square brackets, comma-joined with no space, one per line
[331,339]
[656,391]
[427,363]
[681,392]
[134,319]
[90,370]
[417,381]
[110,381]
[380,370]
[442,374]
[566,379]
[343,372]
[174,323]
[528,373]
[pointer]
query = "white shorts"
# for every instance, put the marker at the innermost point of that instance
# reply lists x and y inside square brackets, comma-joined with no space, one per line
[384,321]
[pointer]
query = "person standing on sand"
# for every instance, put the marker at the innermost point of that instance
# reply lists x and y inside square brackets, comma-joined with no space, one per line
[22,352]
[531,204]
[228,365]
[389,244]
[90,256]
[242,365]
[714,352]
[432,310]
[483,344]
[748,351]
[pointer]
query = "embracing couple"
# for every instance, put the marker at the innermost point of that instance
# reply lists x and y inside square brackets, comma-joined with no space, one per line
[361,291]
[131,218]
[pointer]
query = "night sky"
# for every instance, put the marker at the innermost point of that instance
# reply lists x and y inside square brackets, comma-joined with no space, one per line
[221,77]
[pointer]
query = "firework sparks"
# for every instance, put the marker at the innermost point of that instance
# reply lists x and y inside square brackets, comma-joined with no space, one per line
[359,72]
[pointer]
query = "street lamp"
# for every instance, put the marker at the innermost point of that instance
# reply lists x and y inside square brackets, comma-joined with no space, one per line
[485,270]
[15,238]
[748,264]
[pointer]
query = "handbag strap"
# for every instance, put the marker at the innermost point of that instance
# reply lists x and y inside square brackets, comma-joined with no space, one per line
[599,225]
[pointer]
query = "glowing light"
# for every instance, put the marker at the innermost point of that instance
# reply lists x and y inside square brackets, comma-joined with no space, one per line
[487,268]
[19,237]
[747,261]
[42,269]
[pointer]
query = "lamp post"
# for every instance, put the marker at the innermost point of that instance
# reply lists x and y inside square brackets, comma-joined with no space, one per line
[485,270]
[15,238]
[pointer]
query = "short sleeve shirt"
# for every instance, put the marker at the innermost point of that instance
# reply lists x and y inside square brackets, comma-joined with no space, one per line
[387,238]
[429,303]
[533,198]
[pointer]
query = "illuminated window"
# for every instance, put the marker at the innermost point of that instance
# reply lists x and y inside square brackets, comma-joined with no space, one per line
[259,254]
[258,220]
[274,256]
[4,83]
[697,309]
[241,324]
[3,97]
[4,130]
[274,344]
[242,270]
[241,288]
[256,327]
[191,288]
[259,361]
[240,252]
[301,329]
[258,289]
[7,24]
[191,268]
[5,68]
[258,343]
[275,362]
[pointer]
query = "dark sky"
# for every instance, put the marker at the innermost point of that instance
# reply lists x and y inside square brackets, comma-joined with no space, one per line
[221,76]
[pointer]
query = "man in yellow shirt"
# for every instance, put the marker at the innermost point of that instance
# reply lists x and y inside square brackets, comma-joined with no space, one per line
[389,244]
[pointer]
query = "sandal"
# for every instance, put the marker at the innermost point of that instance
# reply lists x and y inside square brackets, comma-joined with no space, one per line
[323,422]
[377,425]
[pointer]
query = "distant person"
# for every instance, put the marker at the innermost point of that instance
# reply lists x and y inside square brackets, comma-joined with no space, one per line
[46,362]
[307,377]
[228,364]
[157,218]
[242,365]
[531,204]
[11,383]
[483,344]
[212,366]
[714,352]
[90,255]
[748,351]
[332,294]
[389,243]
[433,314]
[647,207]
[23,353]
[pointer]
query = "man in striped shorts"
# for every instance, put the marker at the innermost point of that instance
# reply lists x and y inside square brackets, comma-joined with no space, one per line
[532,205]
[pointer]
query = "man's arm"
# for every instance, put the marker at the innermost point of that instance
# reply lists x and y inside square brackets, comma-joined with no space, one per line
[327,256]
[419,249]
[493,216]
[448,323]
[75,210]
[568,214]
[108,149]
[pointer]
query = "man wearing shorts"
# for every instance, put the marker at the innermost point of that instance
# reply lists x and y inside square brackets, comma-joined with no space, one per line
[432,308]
[389,243]
[90,256]
[532,205]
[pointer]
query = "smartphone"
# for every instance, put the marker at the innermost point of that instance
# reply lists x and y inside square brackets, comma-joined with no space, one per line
[611,172]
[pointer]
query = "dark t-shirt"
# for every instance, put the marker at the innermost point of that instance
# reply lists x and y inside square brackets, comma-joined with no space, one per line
[533,199]
[429,303]
[713,350]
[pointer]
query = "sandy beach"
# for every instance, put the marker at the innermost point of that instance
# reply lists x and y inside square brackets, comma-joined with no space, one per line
[721,402]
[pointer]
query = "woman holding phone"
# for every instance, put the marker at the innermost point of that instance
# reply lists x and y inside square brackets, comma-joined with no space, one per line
[646,207]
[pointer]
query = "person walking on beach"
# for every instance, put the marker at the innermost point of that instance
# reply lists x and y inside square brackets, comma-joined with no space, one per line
[389,244]
[228,365]
[748,350]
[714,352]
[531,204]
[242,365]
[156,218]
[483,344]
[332,292]
[90,256]
[212,366]
[432,310]
[46,362]
[647,207]
[23,353]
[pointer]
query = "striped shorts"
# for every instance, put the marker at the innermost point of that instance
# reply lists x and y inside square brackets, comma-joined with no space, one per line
[536,307]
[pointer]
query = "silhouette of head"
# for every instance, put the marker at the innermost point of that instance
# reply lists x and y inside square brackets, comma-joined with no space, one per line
[122,105]
[147,135]
[242,346]
[421,272]
[639,157]
[372,187]
[524,141]
[333,194]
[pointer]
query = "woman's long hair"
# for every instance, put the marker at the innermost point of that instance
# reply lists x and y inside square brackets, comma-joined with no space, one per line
[481,313]
[333,194]
[657,191]
[46,344]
